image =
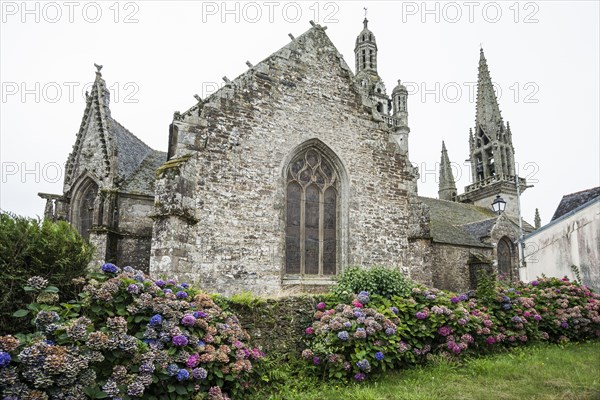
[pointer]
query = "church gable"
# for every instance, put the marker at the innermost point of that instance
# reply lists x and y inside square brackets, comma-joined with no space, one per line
[234,192]
[104,150]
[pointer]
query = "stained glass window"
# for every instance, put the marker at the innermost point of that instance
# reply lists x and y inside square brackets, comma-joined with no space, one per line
[311,215]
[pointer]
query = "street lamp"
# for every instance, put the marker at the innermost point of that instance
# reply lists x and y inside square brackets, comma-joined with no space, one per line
[498,205]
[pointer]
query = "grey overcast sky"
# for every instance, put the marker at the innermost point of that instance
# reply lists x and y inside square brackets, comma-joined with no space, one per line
[543,57]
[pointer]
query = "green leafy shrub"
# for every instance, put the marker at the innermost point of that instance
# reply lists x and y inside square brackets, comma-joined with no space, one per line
[130,337]
[54,251]
[385,282]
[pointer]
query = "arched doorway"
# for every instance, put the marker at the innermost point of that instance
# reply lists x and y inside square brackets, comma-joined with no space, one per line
[505,256]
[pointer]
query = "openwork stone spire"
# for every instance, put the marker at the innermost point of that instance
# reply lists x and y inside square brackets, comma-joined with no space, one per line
[447,186]
[488,112]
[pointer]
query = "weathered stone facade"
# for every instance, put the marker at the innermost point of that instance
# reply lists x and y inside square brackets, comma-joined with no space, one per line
[109,185]
[287,175]
[221,204]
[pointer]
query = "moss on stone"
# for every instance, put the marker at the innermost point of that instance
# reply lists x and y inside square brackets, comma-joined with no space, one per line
[172,164]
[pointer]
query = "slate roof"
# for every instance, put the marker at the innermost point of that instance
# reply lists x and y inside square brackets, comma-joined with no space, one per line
[141,181]
[481,228]
[131,151]
[571,201]
[448,217]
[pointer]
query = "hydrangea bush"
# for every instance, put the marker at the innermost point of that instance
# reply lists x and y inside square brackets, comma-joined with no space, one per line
[129,337]
[372,333]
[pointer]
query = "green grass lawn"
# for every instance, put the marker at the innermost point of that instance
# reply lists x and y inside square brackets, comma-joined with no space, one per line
[571,371]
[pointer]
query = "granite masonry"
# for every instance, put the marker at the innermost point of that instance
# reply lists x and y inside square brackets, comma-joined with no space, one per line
[291,172]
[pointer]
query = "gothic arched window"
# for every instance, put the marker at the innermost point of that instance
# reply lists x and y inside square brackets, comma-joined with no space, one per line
[84,208]
[311,215]
[505,258]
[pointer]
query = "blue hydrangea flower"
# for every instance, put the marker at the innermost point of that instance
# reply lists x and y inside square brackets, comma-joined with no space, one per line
[506,306]
[343,335]
[379,356]
[347,324]
[463,297]
[160,283]
[156,320]
[183,375]
[364,365]
[167,291]
[128,269]
[172,369]
[182,295]
[4,359]
[110,268]
[394,310]
[185,285]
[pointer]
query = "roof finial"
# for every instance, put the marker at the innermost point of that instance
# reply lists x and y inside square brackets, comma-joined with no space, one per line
[366,21]
[98,67]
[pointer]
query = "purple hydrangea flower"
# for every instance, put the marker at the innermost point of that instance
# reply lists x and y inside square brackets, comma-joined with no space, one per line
[321,306]
[491,340]
[200,314]
[463,297]
[394,310]
[160,283]
[390,331]
[188,320]
[183,375]
[534,283]
[133,288]
[171,282]
[444,331]
[4,359]
[138,278]
[359,377]
[347,324]
[185,285]
[182,295]
[167,291]
[343,335]
[363,298]
[506,306]
[379,356]
[179,340]
[316,360]
[199,373]
[564,325]
[156,320]
[421,315]
[454,300]
[147,368]
[537,317]
[110,268]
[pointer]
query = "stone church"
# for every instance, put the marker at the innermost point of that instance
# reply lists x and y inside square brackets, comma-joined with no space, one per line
[288,174]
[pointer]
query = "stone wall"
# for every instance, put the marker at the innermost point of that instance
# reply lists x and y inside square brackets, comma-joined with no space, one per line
[277,325]
[220,202]
[450,267]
